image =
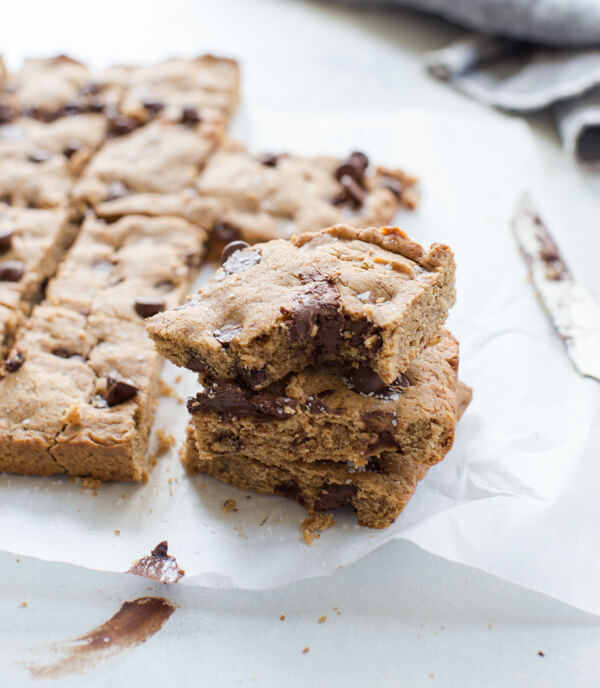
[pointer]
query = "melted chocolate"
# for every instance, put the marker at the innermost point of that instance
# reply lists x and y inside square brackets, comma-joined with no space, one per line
[231,401]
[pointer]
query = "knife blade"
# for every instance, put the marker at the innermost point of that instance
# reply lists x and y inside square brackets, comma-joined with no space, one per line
[572,308]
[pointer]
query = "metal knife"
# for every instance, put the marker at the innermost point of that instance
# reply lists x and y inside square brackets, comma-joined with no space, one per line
[572,309]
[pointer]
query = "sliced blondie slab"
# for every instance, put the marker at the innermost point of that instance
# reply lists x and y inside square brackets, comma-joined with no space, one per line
[365,296]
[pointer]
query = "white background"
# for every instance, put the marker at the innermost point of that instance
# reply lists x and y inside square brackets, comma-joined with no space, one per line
[405,614]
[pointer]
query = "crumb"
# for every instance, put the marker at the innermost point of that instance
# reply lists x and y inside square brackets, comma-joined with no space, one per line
[166,390]
[73,416]
[90,483]
[229,505]
[489,625]
[248,496]
[313,526]
[164,442]
[282,617]
[117,532]
[432,675]
[305,651]
[24,604]
[170,481]
[178,379]
[322,619]
[262,523]
[541,654]
[95,493]
[18,561]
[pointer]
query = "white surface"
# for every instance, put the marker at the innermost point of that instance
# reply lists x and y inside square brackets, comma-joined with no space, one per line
[346,61]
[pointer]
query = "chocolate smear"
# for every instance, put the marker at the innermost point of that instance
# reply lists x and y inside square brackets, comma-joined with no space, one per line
[135,622]
[159,565]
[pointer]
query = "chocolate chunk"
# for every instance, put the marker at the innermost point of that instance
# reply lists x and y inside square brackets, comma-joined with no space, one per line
[190,116]
[153,105]
[359,160]
[358,330]
[354,192]
[116,190]
[366,381]
[146,306]
[12,364]
[71,148]
[11,270]
[373,465]
[63,353]
[96,105]
[268,159]
[71,109]
[231,248]
[120,125]
[241,260]
[384,439]
[6,199]
[225,232]
[334,496]
[225,334]
[38,156]
[5,241]
[231,401]
[393,185]
[289,488]
[7,114]
[251,377]
[118,391]
[316,315]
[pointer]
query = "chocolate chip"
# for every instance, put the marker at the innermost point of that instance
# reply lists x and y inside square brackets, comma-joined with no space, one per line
[12,364]
[71,148]
[268,159]
[225,232]
[118,391]
[61,353]
[71,109]
[153,105]
[7,114]
[366,381]
[5,241]
[6,199]
[230,400]
[353,167]
[231,248]
[226,334]
[120,125]
[334,496]
[353,191]
[401,381]
[96,105]
[11,270]
[146,307]
[393,185]
[316,314]
[385,439]
[241,260]
[288,488]
[190,116]
[38,156]
[116,190]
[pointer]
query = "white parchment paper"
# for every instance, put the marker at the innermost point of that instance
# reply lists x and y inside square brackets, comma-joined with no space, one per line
[518,494]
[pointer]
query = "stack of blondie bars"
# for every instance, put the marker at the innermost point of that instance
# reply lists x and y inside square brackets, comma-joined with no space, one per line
[326,374]
[111,186]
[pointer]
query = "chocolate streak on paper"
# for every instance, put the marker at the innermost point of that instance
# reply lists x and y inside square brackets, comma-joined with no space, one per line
[132,625]
[159,565]
[574,313]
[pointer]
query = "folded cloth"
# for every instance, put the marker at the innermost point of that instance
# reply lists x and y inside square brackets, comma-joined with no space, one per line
[532,55]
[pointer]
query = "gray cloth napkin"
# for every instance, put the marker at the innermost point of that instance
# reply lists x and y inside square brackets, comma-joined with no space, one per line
[531,55]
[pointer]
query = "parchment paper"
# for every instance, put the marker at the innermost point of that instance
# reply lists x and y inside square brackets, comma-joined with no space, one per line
[516,496]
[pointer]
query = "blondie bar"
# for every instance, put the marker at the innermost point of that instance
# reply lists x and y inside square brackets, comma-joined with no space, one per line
[368,296]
